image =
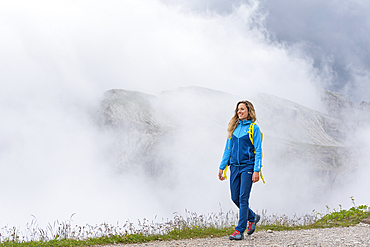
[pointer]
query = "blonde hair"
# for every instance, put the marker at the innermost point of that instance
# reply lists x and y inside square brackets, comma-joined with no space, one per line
[235,119]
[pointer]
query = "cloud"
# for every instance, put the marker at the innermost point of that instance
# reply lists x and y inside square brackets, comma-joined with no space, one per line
[58,58]
[332,31]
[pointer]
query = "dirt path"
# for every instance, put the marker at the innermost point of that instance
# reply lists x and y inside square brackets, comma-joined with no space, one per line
[339,236]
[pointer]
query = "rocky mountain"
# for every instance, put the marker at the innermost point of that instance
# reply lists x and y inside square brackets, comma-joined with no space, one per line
[341,107]
[136,129]
[295,136]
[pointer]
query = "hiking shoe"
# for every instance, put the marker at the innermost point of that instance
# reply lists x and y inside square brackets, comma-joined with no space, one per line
[252,225]
[236,235]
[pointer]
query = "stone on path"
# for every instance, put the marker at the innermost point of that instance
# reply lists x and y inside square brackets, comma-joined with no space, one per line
[366,221]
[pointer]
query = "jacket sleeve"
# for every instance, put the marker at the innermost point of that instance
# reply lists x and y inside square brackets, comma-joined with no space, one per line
[227,154]
[257,148]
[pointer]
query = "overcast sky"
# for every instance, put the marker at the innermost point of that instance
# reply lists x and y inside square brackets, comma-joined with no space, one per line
[335,33]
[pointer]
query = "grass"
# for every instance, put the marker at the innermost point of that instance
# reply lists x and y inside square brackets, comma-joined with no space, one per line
[343,217]
[190,226]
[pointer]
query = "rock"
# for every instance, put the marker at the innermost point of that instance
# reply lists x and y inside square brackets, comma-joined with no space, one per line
[305,137]
[340,107]
[366,221]
[337,104]
[137,129]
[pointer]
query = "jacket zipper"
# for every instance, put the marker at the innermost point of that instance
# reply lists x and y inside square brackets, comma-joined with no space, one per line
[249,149]
[241,126]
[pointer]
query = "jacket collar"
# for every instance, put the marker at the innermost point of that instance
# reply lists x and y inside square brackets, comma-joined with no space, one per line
[244,122]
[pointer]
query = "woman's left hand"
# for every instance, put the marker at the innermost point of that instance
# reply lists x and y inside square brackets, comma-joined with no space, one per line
[255,177]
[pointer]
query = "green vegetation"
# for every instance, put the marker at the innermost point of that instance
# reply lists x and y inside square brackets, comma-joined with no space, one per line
[133,238]
[190,226]
[333,218]
[349,217]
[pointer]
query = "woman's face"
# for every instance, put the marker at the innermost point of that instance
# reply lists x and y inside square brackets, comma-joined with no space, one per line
[242,111]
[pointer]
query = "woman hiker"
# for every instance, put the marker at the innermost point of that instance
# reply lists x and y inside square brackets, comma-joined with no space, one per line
[244,159]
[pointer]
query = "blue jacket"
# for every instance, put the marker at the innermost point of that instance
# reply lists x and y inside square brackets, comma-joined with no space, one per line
[240,150]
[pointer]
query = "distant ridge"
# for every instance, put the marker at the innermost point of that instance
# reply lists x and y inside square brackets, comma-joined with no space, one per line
[294,134]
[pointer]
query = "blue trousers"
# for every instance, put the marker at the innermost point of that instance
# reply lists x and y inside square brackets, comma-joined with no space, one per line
[240,186]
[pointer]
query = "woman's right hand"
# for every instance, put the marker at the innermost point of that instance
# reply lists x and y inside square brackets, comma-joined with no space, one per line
[220,172]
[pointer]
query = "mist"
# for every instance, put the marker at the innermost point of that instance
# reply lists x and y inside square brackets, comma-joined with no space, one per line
[57,60]
[332,34]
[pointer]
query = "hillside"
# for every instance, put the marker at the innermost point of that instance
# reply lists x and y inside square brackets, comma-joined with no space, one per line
[294,135]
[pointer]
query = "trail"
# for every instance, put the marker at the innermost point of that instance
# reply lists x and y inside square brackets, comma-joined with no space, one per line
[358,235]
